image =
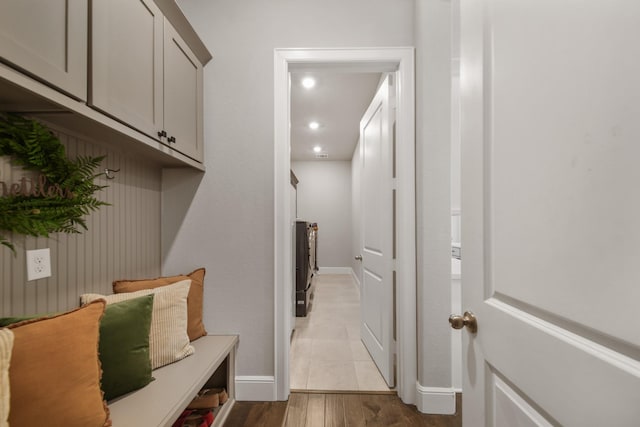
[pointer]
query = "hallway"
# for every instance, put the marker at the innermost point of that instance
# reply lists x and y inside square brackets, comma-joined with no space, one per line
[326,351]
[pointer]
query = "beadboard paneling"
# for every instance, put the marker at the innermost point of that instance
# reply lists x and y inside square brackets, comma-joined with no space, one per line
[123,240]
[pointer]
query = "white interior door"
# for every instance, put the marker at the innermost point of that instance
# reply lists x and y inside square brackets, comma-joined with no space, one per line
[376,303]
[551,223]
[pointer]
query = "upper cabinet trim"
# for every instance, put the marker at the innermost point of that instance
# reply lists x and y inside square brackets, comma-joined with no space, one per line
[174,14]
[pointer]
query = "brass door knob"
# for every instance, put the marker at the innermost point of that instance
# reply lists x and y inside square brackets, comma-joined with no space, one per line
[469,320]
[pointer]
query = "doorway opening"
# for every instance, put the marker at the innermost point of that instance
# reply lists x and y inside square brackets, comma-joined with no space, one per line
[327,353]
[400,61]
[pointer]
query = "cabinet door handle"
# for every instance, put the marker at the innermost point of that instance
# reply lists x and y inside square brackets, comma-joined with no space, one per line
[162,134]
[172,139]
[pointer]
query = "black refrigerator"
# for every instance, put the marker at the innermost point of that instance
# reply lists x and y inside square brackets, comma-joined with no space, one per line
[306,264]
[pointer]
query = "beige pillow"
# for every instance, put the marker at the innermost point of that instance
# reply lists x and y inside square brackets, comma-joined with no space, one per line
[168,339]
[195,326]
[6,347]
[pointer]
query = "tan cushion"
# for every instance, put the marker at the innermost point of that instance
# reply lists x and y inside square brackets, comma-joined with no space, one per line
[6,347]
[195,327]
[168,339]
[55,372]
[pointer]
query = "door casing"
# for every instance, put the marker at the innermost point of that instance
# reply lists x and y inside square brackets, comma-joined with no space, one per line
[401,61]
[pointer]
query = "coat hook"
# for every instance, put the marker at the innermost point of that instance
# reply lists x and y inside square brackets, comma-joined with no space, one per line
[108,173]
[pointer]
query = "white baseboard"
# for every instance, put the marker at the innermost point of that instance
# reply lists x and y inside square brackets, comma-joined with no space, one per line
[255,388]
[436,400]
[334,270]
[355,277]
[356,280]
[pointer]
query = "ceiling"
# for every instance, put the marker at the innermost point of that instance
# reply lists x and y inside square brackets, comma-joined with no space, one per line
[336,102]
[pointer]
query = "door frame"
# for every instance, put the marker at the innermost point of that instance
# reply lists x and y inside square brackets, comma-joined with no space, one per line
[401,61]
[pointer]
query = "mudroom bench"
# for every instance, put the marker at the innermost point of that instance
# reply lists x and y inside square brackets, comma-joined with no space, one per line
[161,402]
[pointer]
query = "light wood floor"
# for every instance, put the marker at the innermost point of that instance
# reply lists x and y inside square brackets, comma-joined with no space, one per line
[337,410]
[326,351]
[326,354]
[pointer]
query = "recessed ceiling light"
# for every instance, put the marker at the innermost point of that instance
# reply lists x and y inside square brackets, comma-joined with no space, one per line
[314,125]
[308,82]
[317,149]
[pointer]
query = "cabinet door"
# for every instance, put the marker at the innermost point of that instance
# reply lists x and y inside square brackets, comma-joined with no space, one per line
[47,39]
[126,62]
[182,96]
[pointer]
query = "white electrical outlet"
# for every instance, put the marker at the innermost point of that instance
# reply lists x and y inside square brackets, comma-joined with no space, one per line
[38,264]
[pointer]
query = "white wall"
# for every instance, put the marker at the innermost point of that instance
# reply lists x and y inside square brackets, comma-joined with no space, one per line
[227,217]
[433,163]
[324,196]
[455,106]
[455,141]
[456,173]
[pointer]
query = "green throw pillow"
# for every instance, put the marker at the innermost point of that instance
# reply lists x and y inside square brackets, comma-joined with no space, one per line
[124,346]
[6,321]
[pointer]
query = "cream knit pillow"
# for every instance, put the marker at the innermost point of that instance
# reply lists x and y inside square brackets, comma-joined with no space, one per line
[168,339]
[6,347]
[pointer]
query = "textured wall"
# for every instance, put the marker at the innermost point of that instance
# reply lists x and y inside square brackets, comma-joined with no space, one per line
[324,196]
[228,223]
[123,240]
[433,205]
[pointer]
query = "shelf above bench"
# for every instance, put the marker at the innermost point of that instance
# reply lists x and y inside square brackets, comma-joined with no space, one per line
[162,401]
[21,94]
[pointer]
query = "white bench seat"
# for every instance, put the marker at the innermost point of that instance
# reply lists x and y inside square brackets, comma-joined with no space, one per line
[162,401]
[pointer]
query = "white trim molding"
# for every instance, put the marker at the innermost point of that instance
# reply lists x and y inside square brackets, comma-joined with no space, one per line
[335,270]
[356,280]
[436,400]
[255,388]
[371,59]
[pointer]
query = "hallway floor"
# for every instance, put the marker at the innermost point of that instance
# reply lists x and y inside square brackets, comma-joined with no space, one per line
[337,410]
[326,351]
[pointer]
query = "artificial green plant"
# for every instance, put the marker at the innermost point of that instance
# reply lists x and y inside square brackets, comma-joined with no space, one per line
[60,195]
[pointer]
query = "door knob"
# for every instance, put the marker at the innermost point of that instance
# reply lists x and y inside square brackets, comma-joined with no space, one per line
[358,257]
[469,320]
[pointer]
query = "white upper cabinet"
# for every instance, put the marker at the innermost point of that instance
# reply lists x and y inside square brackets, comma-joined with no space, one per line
[145,75]
[128,71]
[48,40]
[126,62]
[182,95]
